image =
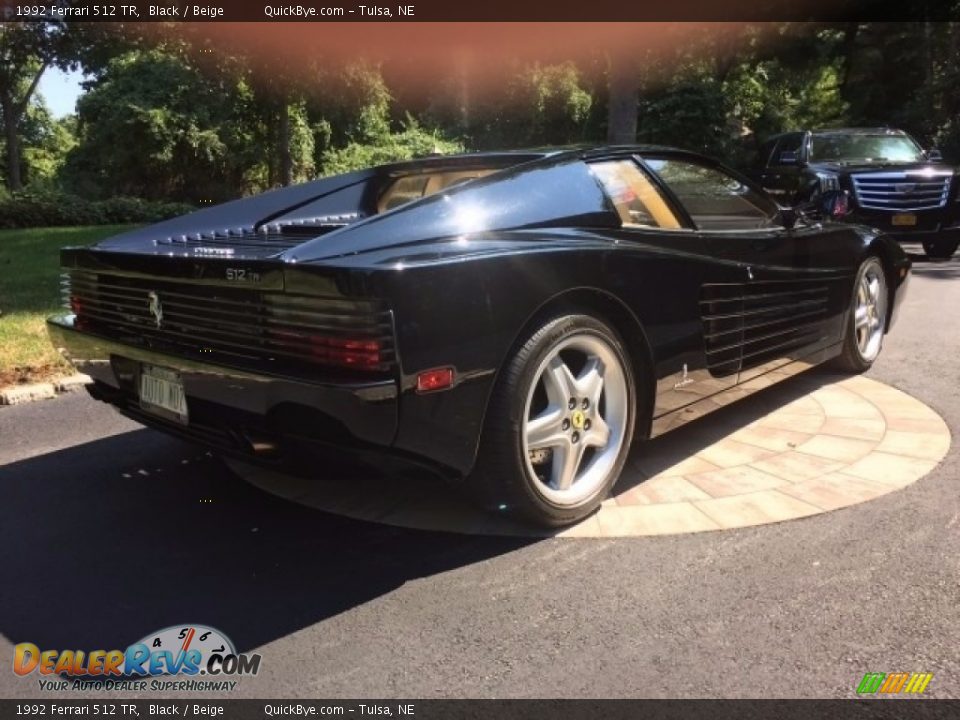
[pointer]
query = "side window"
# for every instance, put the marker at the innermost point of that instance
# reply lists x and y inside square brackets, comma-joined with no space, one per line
[636,199]
[788,143]
[714,199]
[765,155]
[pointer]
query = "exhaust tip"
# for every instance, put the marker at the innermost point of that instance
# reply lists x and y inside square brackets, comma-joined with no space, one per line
[259,444]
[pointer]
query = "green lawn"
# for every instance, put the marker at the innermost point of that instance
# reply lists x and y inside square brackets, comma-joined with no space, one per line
[30,291]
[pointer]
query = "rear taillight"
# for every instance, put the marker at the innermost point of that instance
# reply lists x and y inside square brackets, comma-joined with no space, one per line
[77,308]
[362,354]
[841,207]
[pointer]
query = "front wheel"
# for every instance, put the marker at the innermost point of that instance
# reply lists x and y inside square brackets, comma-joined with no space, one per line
[941,248]
[559,425]
[863,336]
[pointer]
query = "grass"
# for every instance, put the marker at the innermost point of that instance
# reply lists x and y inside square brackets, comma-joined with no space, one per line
[29,292]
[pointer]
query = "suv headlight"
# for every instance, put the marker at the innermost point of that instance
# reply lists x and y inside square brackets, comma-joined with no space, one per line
[828,181]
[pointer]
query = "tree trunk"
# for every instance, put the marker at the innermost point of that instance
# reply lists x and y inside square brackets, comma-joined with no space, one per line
[14,182]
[286,162]
[13,112]
[848,48]
[622,103]
[463,77]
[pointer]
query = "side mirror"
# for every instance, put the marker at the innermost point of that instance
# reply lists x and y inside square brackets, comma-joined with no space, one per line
[788,157]
[934,155]
[834,204]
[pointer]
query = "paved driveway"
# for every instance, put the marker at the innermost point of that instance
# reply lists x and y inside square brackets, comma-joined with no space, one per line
[109,531]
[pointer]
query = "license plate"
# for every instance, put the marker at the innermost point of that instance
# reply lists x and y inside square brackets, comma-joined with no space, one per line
[904,219]
[161,393]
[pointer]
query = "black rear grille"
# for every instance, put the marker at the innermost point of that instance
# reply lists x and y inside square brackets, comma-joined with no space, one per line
[748,325]
[234,324]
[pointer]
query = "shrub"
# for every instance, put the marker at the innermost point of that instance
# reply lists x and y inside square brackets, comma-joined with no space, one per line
[413,141]
[53,209]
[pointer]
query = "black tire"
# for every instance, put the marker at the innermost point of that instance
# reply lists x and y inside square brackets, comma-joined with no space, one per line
[941,248]
[855,358]
[506,478]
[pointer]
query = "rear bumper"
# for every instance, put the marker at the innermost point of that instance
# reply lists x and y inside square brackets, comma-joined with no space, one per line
[237,411]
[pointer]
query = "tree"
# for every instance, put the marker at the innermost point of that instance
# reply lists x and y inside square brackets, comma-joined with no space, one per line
[151,125]
[359,107]
[26,51]
[622,101]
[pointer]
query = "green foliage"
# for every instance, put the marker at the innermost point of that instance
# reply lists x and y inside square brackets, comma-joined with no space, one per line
[554,102]
[53,209]
[542,104]
[690,113]
[30,292]
[153,126]
[355,130]
[412,141]
[46,144]
[26,50]
[357,106]
[724,105]
[160,120]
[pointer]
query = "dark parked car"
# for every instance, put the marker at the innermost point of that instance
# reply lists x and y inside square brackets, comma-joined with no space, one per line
[512,320]
[893,183]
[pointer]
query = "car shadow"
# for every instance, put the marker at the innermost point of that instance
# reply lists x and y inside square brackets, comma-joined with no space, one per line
[934,268]
[654,456]
[937,269]
[107,541]
[104,542]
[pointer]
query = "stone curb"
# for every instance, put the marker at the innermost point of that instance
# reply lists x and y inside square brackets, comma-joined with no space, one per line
[20,394]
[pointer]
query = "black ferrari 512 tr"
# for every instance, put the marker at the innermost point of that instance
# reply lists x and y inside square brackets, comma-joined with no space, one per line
[513,320]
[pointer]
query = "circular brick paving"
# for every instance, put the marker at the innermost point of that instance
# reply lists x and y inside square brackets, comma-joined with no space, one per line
[810,445]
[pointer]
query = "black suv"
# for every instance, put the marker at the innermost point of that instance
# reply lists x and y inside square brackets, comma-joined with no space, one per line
[892,182]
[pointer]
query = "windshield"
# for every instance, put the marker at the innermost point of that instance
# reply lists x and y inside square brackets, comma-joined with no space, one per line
[895,148]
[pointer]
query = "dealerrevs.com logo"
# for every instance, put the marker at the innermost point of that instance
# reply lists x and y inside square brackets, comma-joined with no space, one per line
[188,652]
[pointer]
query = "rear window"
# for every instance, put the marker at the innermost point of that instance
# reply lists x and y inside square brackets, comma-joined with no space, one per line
[413,187]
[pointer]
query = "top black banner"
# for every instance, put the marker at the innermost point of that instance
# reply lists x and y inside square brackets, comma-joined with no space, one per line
[327,11]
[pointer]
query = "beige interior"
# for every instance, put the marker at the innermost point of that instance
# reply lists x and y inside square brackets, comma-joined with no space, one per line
[637,200]
[413,187]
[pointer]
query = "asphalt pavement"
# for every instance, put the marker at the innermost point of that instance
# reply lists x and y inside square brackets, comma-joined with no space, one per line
[109,531]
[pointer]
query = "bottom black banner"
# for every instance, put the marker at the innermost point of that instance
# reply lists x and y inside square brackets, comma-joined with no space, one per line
[486,709]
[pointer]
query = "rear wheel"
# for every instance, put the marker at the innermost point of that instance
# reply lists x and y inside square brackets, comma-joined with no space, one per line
[863,337]
[560,422]
[941,248]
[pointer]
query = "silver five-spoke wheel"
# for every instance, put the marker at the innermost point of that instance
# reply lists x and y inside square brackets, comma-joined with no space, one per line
[575,419]
[870,309]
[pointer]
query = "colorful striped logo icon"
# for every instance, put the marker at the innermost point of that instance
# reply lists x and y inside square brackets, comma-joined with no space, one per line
[893,683]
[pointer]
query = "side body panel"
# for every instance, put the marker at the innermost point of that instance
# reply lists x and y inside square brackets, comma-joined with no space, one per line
[466,303]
